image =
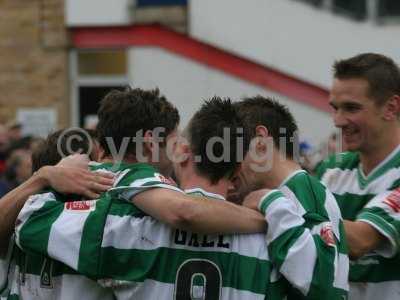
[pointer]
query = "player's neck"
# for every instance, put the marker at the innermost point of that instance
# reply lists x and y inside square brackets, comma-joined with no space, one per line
[191,180]
[279,172]
[371,158]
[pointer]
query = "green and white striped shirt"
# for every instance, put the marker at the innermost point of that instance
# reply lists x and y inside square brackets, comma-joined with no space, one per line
[305,240]
[36,276]
[111,241]
[373,199]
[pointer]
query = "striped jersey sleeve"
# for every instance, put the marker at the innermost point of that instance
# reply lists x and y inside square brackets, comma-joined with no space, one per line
[50,227]
[141,177]
[383,213]
[309,257]
[67,231]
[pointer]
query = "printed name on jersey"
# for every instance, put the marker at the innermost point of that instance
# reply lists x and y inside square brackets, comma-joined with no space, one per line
[199,240]
[393,200]
[81,206]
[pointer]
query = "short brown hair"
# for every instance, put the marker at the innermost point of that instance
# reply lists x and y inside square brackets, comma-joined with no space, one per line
[216,117]
[381,73]
[275,116]
[122,114]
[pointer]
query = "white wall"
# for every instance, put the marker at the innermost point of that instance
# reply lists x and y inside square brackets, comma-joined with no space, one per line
[186,83]
[290,36]
[97,12]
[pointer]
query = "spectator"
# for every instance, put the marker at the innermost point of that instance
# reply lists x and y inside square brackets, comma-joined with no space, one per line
[18,169]
[14,131]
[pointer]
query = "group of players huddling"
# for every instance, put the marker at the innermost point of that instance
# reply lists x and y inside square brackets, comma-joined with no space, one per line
[142,236]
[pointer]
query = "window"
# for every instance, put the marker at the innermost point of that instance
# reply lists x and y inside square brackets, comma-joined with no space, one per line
[389,8]
[356,9]
[104,62]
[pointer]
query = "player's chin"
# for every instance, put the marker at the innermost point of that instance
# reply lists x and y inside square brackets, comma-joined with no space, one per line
[352,143]
[353,146]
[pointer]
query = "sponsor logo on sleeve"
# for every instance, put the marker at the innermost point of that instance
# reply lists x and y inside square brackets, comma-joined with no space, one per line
[327,235]
[393,200]
[81,206]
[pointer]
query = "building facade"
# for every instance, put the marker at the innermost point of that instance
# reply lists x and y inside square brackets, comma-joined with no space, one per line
[60,56]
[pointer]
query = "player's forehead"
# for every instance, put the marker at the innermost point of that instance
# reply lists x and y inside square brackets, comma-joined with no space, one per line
[349,91]
[350,86]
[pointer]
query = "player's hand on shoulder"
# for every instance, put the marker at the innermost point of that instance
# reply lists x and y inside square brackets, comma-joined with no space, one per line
[75,180]
[253,199]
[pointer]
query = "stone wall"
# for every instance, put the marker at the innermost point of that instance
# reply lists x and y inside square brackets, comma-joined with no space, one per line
[33,57]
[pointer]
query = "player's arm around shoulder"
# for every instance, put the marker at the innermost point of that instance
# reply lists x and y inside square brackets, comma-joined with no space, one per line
[198,214]
[159,197]
[12,203]
[362,238]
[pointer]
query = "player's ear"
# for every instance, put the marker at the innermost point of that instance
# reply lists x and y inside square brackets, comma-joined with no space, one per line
[262,139]
[148,144]
[391,109]
[181,150]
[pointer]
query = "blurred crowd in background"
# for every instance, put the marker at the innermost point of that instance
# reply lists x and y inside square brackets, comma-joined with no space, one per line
[15,156]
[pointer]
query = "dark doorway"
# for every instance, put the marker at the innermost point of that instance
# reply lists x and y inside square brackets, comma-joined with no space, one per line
[356,9]
[89,99]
